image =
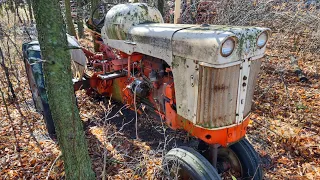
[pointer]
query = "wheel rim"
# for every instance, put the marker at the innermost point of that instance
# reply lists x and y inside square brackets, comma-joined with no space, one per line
[239,160]
[228,160]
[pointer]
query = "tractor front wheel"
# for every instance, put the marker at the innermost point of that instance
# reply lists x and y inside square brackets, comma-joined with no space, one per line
[242,160]
[186,163]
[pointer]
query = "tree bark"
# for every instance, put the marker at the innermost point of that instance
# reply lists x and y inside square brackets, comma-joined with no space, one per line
[30,10]
[80,19]
[69,21]
[94,6]
[61,98]
[177,11]
[160,6]
[6,72]
[95,14]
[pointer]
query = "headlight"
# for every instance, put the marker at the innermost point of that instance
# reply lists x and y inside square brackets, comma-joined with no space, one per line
[228,47]
[262,39]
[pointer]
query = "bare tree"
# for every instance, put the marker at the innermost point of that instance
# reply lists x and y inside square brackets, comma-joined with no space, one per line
[5,69]
[80,18]
[95,15]
[69,21]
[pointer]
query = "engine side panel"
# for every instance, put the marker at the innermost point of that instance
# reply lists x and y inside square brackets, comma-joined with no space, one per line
[186,77]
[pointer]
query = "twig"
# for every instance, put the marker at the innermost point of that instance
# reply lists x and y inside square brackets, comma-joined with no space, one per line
[256,171]
[269,129]
[6,71]
[104,163]
[12,125]
[52,166]
[135,109]
[28,125]
[13,43]
[285,84]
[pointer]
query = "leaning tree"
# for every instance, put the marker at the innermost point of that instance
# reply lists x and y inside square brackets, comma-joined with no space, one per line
[57,70]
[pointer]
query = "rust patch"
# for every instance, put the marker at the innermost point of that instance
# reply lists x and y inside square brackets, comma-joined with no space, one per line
[220,87]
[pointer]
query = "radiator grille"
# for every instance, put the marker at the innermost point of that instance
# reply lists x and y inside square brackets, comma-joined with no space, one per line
[217,96]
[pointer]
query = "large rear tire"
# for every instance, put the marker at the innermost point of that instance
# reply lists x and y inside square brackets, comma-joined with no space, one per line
[39,96]
[186,163]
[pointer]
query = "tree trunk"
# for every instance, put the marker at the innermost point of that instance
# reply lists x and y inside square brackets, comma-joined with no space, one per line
[61,98]
[160,6]
[177,11]
[94,10]
[30,10]
[69,21]
[80,18]
[6,72]
[95,15]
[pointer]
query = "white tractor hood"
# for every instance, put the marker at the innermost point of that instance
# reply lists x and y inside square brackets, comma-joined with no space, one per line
[138,28]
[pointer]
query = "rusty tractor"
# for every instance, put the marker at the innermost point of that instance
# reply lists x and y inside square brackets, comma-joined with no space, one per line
[199,78]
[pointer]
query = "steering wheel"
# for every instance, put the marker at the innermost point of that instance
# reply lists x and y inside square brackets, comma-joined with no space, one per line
[101,21]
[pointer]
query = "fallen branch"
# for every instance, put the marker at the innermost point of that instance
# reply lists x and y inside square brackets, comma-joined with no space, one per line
[54,162]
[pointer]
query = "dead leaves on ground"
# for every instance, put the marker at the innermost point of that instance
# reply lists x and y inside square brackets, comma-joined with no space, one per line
[285,132]
[286,119]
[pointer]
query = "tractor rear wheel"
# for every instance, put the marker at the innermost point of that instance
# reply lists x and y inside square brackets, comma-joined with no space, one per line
[186,163]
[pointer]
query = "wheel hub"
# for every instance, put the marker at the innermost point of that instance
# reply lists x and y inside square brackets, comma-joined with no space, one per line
[228,160]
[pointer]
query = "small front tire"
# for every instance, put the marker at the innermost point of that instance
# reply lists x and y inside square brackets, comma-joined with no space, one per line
[186,163]
[249,160]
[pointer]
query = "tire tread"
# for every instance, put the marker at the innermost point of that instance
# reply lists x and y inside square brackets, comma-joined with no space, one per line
[194,161]
[244,150]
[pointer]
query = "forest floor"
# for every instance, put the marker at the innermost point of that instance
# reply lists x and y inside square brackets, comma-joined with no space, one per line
[285,129]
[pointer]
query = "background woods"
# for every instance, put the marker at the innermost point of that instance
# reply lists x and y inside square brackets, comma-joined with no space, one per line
[286,108]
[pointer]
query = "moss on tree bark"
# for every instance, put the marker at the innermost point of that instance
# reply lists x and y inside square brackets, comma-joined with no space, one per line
[95,15]
[69,22]
[80,18]
[57,70]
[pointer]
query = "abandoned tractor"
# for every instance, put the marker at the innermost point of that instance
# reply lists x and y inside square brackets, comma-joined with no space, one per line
[199,78]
